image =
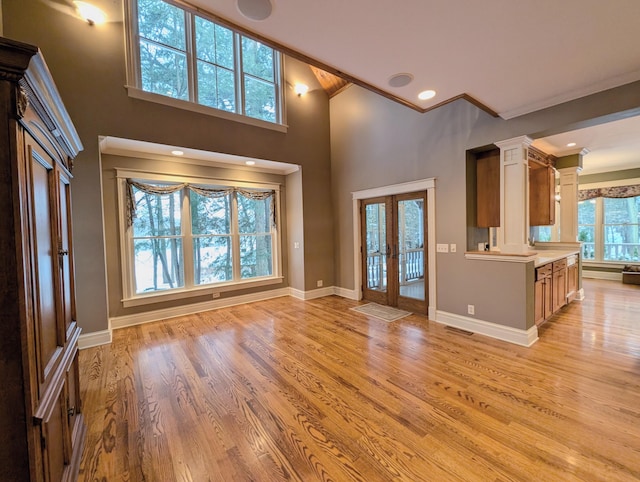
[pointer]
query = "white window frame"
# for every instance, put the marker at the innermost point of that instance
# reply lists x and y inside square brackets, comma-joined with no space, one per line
[598,238]
[134,76]
[131,298]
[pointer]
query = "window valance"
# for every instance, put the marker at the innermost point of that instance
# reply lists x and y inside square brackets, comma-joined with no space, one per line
[610,192]
[210,192]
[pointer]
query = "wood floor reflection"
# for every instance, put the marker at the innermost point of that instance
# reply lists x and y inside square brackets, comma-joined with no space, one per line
[311,390]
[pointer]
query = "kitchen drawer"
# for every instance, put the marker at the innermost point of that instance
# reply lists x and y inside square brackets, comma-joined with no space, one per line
[543,271]
[559,265]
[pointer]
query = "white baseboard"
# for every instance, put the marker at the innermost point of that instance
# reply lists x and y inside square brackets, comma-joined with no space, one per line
[432,313]
[156,315]
[95,338]
[346,293]
[104,337]
[313,294]
[601,275]
[493,330]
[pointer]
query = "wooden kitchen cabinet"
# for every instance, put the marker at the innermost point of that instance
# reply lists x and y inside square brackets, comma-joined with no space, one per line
[559,284]
[542,184]
[572,278]
[543,293]
[42,429]
[556,284]
[488,189]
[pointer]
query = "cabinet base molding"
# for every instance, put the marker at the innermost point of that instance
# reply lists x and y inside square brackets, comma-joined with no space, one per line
[487,328]
[79,440]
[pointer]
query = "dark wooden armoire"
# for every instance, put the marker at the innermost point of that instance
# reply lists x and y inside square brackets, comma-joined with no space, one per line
[42,430]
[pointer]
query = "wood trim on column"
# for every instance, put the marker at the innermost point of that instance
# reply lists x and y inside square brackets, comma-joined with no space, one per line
[514,195]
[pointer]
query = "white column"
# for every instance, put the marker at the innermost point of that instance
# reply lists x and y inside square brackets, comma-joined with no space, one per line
[514,195]
[569,204]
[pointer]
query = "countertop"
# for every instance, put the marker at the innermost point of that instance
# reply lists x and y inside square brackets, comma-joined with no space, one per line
[545,256]
[540,256]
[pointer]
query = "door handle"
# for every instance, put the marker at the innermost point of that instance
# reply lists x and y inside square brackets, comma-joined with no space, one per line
[388,253]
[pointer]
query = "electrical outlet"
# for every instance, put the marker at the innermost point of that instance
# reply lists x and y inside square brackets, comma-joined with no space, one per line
[471,309]
[319,283]
[296,245]
[215,295]
[442,248]
[453,248]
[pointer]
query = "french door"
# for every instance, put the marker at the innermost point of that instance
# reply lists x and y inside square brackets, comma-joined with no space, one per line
[394,262]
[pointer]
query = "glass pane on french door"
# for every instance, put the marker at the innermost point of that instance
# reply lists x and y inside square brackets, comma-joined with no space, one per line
[411,263]
[376,242]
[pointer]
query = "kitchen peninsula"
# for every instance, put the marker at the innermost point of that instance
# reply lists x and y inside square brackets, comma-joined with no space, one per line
[556,277]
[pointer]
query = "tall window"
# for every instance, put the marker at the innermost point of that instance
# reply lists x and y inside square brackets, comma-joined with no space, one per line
[184,236]
[587,228]
[189,57]
[609,229]
[620,227]
[157,242]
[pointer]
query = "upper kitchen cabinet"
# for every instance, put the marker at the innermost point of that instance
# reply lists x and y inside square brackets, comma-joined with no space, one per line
[542,184]
[488,189]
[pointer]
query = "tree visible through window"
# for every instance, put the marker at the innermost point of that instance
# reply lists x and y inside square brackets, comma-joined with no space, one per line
[609,229]
[184,236]
[621,223]
[157,242]
[587,228]
[216,67]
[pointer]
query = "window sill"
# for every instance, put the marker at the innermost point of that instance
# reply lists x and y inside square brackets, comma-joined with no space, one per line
[139,94]
[606,264]
[172,295]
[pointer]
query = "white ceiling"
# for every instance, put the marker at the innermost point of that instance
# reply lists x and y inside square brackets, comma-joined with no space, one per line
[148,150]
[514,56]
[610,147]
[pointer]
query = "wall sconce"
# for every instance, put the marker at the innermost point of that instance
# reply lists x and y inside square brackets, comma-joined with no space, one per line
[90,13]
[301,89]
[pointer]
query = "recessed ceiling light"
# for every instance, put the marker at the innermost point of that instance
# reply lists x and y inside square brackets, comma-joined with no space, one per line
[400,80]
[177,153]
[250,163]
[427,94]
[571,144]
[255,9]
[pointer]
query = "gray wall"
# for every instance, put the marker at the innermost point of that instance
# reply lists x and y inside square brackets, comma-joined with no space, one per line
[376,142]
[112,215]
[610,176]
[295,230]
[88,66]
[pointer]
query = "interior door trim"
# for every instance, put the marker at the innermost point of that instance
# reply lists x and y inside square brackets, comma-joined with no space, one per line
[428,185]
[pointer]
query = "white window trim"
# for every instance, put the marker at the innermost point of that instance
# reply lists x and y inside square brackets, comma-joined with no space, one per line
[130,298]
[133,75]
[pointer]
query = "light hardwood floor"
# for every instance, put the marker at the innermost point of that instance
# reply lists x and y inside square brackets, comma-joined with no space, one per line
[311,390]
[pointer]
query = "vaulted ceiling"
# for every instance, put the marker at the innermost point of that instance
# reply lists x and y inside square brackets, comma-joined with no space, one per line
[509,57]
[513,57]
